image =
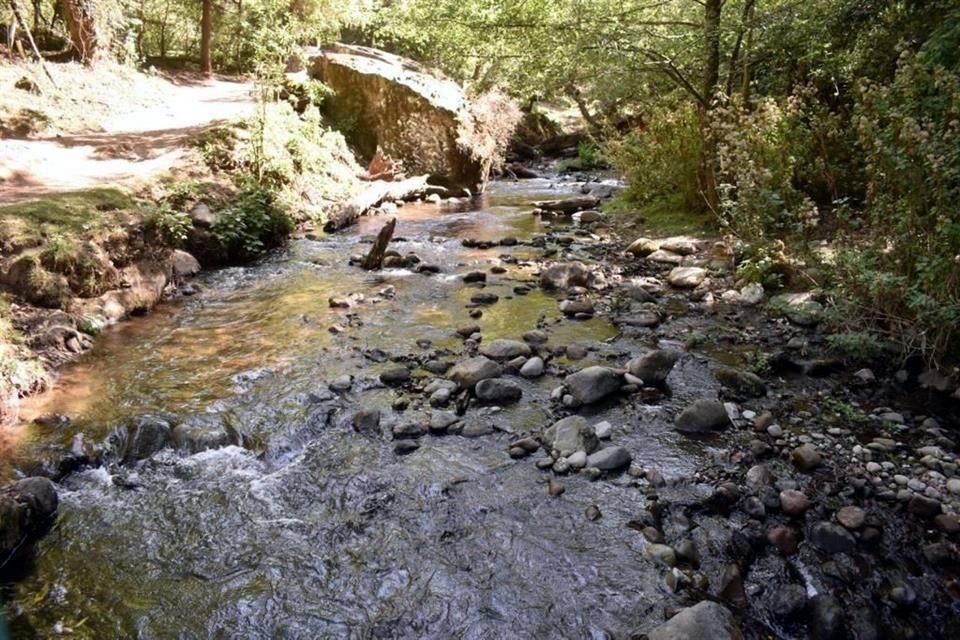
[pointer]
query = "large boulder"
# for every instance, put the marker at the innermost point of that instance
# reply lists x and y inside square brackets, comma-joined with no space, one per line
[382,101]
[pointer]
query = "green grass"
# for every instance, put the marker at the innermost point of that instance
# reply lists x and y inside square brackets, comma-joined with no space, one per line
[666,216]
[73,215]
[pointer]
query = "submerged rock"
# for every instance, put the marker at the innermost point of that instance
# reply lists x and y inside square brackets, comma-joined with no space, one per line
[749,384]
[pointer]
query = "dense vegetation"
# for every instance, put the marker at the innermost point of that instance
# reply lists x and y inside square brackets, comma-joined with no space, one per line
[822,134]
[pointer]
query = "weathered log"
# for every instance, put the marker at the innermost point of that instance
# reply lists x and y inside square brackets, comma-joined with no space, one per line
[569,205]
[377,193]
[374,259]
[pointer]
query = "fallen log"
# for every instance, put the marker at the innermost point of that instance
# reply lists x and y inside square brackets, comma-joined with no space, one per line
[569,205]
[374,195]
[374,259]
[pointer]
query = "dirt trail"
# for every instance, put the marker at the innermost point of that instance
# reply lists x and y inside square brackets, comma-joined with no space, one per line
[131,147]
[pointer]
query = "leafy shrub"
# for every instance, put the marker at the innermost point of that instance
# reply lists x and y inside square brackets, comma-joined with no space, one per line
[756,165]
[904,277]
[588,155]
[251,224]
[661,158]
[859,346]
[169,225]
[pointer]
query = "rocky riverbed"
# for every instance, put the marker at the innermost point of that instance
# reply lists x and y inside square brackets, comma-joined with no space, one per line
[527,425]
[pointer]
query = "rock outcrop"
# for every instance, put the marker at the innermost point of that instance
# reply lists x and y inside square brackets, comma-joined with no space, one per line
[383,101]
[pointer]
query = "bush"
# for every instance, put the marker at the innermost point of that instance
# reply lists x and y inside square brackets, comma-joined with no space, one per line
[168,225]
[904,277]
[661,158]
[251,224]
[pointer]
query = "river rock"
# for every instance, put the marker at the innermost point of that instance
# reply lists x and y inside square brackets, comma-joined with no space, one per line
[565,437]
[665,257]
[470,372]
[408,430]
[27,509]
[395,376]
[704,620]
[201,433]
[643,247]
[367,421]
[687,277]
[501,349]
[744,382]
[806,457]
[653,367]
[826,619]
[610,459]
[789,601]
[484,297]
[923,506]
[832,538]
[702,416]
[593,384]
[183,264]
[603,430]
[852,517]
[800,308]
[794,503]
[498,390]
[566,275]
[142,438]
[532,368]
[683,245]
[580,307]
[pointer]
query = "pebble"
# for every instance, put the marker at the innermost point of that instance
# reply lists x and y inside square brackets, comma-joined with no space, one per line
[852,517]
[593,513]
[603,430]
[554,488]
[793,502]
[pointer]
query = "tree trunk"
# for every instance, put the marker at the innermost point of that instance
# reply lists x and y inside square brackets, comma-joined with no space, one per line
[206,36]
[374,260]
[711,78]
[80,16]
[375,194]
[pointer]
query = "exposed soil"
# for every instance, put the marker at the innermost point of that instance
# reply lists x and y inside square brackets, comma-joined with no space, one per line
[131,147]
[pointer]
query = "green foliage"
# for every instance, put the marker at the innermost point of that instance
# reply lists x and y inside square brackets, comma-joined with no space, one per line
[251,224]
[858,346]
[588,154]
[168,224]
[661,158]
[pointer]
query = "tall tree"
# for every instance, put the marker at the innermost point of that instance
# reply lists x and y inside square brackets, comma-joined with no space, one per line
[81,19]
[206,36]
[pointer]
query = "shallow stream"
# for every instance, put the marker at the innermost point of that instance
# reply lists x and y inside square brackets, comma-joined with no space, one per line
[312,530]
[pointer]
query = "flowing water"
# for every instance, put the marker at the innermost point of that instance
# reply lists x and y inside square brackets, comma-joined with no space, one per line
[312,530]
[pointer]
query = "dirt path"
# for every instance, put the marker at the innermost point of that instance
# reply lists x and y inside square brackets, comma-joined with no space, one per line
[131,148]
